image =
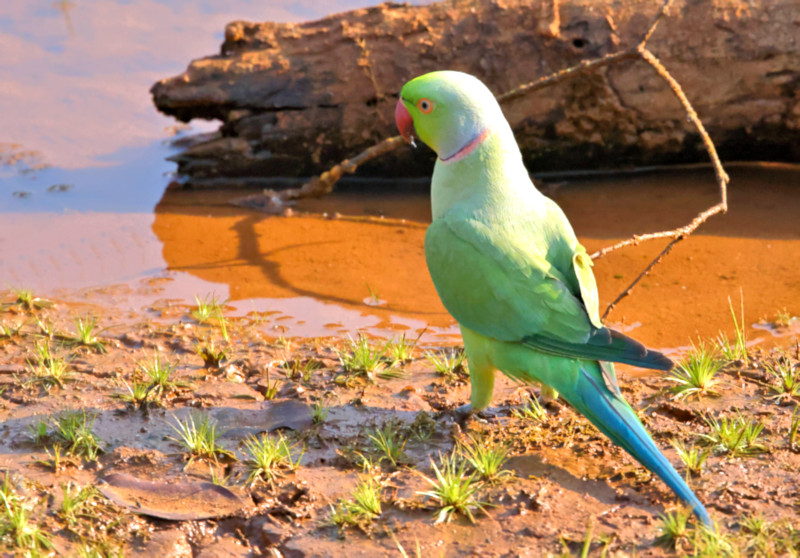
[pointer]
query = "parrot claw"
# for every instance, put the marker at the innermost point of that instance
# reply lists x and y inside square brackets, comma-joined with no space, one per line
[464,413]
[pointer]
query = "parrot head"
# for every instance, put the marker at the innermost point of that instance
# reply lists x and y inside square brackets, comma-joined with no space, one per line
[447,110]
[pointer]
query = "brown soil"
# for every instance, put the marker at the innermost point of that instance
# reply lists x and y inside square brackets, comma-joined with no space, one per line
[566,477]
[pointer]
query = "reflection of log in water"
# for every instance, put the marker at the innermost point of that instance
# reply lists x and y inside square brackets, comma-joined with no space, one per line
[296,98]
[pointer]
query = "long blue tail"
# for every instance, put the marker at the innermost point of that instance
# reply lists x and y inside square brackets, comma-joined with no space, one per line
[614,417]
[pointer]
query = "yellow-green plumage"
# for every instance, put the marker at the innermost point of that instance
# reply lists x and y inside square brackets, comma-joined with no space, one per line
[509,268]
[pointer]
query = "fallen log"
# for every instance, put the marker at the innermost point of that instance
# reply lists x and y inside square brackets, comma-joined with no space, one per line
[295,99]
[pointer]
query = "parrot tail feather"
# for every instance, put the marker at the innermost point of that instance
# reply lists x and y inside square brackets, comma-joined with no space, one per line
[604,344]
[616,419]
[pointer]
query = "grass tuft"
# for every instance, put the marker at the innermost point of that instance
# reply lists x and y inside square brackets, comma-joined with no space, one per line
[401,351]
[76,502]
[158,374]
[674,529]
[736,350]
[48,369]
[27,301]
[737,436]
[361,509]
[85,336]
[17,528]
[695,374]
[212,355]
[360,358]
[787,379]
[532,410]
[319,412]
[75,430]
[693,458]
[390,441]
[268,457]
[449,363]
[209,308]
[198,436]
[486,458]
[453,489]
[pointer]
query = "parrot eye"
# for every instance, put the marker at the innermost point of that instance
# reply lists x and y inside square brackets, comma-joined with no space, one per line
[425,105]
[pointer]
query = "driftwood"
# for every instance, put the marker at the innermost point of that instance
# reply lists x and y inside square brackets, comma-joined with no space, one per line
[295,99]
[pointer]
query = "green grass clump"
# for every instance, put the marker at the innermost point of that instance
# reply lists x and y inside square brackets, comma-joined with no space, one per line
[26,300]
[198,436]
[300,369]
[390,442]
[209,308]
[737,349]
[362,508]
[532,410]
[271,388]
[360,358]
[787,379]
[268,457]
[453,489]
[17,529]
[486,458]
[693,458]
[48,369]
[319,412]
[75,431]
[737,436]
[158,374]
[674,529]
[695,374]
[401,351]
[212,355]
[7,331]
[206,308]
[137,395]
[85,336]
[76,502]
[448,363]
[39,432]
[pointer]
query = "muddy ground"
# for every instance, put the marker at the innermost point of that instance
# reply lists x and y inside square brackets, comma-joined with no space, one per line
[568,485]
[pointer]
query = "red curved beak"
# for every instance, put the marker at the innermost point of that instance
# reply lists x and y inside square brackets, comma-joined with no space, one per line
[405,124]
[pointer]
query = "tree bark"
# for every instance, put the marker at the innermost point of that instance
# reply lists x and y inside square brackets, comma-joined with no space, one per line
[294,99]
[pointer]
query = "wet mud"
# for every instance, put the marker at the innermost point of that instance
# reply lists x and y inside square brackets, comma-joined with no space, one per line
[566,483]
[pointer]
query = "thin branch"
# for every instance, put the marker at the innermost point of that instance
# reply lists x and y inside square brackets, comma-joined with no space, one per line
[641,276]
[323,184]
[572,71]
[585,65]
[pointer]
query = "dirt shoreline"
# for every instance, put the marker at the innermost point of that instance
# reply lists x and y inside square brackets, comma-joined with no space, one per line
[565,476]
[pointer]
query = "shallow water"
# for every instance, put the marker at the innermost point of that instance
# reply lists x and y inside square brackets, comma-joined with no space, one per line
[85,216]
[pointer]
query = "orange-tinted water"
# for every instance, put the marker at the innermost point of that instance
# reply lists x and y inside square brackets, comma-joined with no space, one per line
[322,275]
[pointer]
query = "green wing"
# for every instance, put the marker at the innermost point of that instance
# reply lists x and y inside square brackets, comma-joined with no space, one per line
[496,283]
[493,280]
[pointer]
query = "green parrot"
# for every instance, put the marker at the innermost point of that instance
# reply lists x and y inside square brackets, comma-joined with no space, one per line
[509,268]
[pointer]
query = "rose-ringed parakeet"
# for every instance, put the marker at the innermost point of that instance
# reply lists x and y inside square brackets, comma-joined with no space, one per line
[509,268]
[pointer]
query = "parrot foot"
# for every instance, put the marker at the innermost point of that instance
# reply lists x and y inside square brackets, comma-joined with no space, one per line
[548,399]
[553,405]
[464,413]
